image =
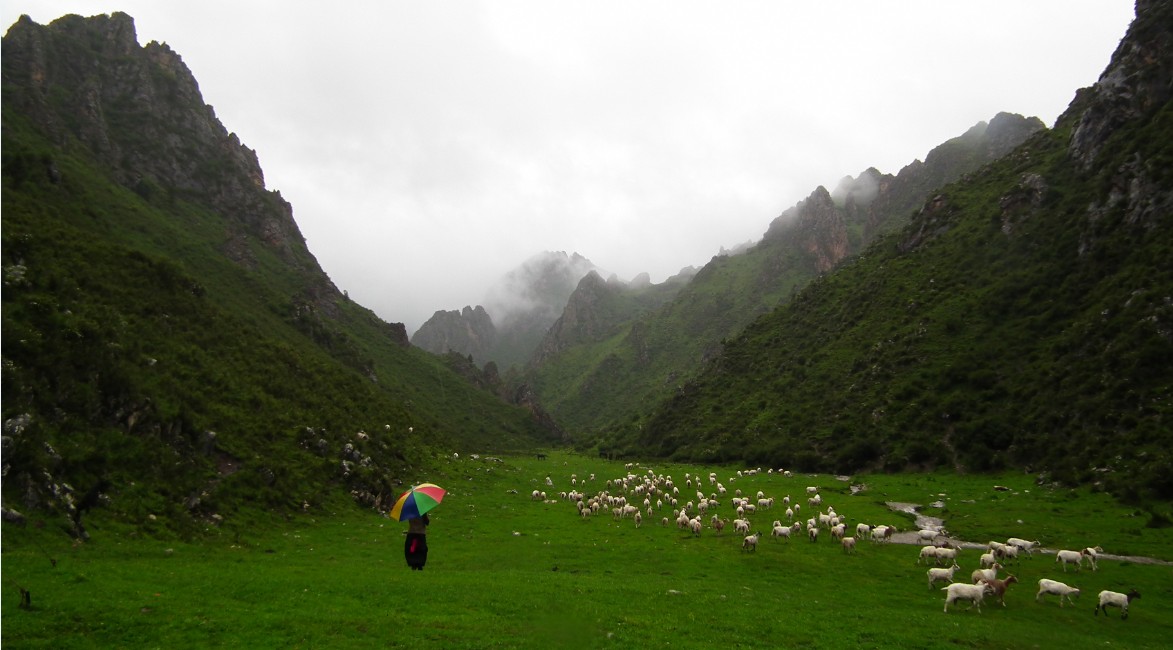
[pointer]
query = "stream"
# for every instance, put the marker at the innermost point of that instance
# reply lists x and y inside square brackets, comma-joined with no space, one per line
[926,522]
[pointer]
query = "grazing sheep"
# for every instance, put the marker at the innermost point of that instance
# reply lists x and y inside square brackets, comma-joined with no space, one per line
[998,587]
[1092,554]
[1116,599]
[927,552]
[750,543]
[947,553]
[781,531]
[848,544]
[813,534]
[695,525]
[961,591]
[937,574]
[863,531]
[988,559]
[882,533]
[1069,557]
[1023,545]
[985,575]
[1007,552]
[1058,588]
[639,520]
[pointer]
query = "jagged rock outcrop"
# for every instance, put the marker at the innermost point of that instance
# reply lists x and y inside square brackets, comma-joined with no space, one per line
[1138,80]
[469,331]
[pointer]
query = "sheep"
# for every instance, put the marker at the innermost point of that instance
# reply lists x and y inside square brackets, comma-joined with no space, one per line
[1058,588]
[813,534]
[848,544]
[937,574]
[961,591]
[927,552]
[947,553]
[741,526]
[863,531]
[695,525]
[781,531]
[838,531]
[718,524]
[986,575]
[987,560]
[1007,552]
[882,533]
[926,535]
[536,495]
[998,587]
[815,501]
[750,543]
[1116,599]
[1069,557]
[1023,545]
[639,520]
[1091,554]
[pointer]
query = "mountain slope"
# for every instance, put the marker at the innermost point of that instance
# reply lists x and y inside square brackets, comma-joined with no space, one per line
[168,340]
[1023,318]
[602,385]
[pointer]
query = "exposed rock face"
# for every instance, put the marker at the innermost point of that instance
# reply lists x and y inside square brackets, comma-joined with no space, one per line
[829,226]
[86,82]
[520,308]
[582,319]
[1138,80]
[469,331]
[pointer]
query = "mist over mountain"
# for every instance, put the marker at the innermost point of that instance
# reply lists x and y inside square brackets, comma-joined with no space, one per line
[518,310]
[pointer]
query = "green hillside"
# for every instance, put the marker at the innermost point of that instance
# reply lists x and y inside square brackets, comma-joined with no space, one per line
[170,347]
[603,384]
[1022,319]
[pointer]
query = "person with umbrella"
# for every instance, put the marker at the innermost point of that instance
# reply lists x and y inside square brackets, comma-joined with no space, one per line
[412,507]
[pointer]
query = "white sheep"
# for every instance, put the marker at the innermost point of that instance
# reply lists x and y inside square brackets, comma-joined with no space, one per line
[947,553]
[695,525]
[1116,599]
[937,574]
[961,591]
[639,520]
[926,535]
[1069,557]
[863,531]
[986,575]
[750,543]
[812,533]
[848,544]
[927,552]
[1023,545]
[988,559]
[1058,588]
[1092,554]
[781,531]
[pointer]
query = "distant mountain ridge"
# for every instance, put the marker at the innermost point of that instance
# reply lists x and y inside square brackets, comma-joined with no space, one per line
[594,380]
[519,310]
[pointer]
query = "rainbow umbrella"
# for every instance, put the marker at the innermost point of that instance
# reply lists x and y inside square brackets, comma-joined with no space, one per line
[417,501]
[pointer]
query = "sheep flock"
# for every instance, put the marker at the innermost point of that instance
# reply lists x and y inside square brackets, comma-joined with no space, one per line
[700,503]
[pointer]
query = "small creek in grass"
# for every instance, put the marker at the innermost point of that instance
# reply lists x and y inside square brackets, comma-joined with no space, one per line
[928,522]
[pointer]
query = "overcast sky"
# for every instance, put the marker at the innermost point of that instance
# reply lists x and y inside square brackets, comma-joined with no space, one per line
[430,147]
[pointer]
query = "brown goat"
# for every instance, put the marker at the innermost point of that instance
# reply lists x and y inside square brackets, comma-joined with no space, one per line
[999,587]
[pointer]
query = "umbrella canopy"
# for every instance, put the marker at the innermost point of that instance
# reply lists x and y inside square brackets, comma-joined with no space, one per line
[417,501]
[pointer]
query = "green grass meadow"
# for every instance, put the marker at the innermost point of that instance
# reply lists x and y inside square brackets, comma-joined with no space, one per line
[505,571]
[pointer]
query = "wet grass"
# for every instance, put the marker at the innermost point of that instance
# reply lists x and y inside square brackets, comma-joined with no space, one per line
[508,572]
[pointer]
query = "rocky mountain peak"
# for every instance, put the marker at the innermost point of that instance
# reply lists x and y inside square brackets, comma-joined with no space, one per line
[1138,79]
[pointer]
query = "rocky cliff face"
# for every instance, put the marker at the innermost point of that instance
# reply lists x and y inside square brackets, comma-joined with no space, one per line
[829,226]
[1137,81]
[520,308]
[469,331]
[138,111]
